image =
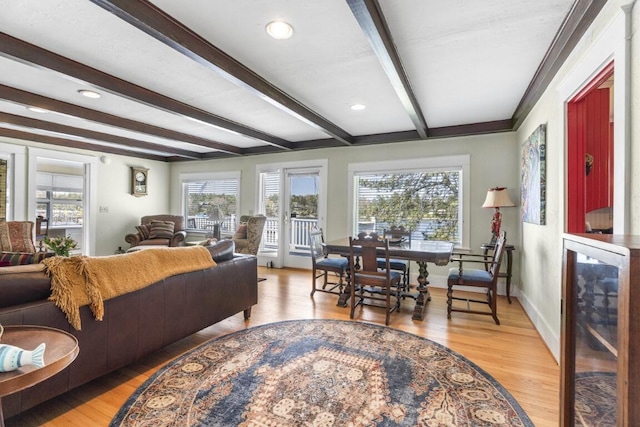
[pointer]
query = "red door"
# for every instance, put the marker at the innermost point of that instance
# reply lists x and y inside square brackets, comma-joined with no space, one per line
[589,131]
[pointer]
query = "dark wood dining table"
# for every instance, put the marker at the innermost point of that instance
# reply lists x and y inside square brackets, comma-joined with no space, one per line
[420,251]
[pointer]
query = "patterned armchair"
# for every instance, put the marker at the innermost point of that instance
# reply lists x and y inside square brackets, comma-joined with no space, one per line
[249,234]
[16,244]
[16,236]
[162,230]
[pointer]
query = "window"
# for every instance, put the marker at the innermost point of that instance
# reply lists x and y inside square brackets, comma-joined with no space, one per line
[204,193]
[59,198]
[425,195]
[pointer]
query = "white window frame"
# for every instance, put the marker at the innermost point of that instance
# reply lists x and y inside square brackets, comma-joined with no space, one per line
[15,155]
[186,178]
[426,164]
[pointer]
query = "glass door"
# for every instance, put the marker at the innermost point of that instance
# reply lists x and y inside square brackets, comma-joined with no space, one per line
[301,193]
[293,200]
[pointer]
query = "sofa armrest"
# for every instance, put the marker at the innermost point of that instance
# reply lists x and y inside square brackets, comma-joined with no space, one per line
[178,237]
[133,239]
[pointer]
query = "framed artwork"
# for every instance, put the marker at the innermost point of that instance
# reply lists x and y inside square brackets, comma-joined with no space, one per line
[533,180]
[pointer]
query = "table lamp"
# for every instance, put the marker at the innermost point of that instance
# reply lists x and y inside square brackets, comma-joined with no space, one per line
[497,198]
[216,216]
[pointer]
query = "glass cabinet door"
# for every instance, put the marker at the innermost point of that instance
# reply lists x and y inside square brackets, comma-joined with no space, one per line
[595,293]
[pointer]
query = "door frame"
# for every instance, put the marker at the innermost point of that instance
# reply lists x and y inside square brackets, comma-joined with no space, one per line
[90,199]
[613,45]
[278,261]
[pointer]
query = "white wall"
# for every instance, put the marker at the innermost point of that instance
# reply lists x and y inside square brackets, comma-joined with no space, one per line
[125,210]
[113,192]
[541,255]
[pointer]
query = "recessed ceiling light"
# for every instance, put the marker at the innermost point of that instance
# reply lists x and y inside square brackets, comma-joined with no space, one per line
[89,93]
[279,30]
[358,107]
[37,109]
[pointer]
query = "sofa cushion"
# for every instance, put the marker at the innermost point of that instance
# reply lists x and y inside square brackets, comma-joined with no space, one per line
[22,284]
[144,231]
[21,258]
[222,250]
[241,232]
[16,236]
[161,230]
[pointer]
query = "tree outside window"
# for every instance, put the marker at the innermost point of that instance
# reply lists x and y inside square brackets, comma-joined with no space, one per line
[426,202]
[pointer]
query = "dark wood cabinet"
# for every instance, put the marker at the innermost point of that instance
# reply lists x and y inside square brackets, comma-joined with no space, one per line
[600,347]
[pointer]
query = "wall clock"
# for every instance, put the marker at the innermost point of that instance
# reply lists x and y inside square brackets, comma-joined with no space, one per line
[139,181]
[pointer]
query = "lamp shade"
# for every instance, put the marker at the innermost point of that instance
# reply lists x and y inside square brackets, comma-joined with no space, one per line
[497,197]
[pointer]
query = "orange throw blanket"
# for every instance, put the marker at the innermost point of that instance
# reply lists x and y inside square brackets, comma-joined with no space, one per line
[83,280]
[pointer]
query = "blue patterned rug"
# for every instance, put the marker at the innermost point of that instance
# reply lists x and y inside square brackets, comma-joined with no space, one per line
[596,399]
[321,373]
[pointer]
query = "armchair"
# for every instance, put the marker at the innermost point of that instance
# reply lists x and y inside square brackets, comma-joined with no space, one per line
[486,278]
[16,244]
[162,230]
[249,234]
[16,236]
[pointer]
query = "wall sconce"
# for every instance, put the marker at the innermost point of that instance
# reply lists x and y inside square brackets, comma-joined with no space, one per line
[497,198]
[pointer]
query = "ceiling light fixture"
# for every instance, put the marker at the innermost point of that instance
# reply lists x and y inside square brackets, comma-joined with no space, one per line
[358,107]
[37,109]
[279,30]
[89,93]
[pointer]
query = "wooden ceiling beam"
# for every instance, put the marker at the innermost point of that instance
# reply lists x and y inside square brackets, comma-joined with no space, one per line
[578,20]
[24,52]
[30,99]
[30,123]
[70,143]
[157,24]
[371,20]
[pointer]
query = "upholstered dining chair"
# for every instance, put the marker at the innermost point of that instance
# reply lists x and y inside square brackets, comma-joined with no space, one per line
[398,234]
[369,283]
[322,265]
[486,278]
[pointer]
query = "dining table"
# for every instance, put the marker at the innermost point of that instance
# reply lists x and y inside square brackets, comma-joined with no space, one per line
[419,251]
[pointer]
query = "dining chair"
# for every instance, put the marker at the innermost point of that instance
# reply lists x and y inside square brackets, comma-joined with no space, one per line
[322,265]
[486,278]
[397,235]
[370,283]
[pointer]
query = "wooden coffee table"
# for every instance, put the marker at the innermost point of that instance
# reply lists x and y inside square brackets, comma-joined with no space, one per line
[61,350]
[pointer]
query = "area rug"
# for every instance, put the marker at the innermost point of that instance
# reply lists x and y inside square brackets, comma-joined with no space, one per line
[595,404]
[321,373]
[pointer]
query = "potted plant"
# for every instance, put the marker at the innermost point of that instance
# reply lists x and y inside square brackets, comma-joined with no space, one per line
[60,245]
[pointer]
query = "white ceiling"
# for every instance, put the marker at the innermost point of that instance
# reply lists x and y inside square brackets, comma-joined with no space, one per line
[206,81]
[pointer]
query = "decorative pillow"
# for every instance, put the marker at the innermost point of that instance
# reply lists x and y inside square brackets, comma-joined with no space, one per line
[17,236]
[161,230]
[241,232]
[223,250]
[21,258]
[144,230]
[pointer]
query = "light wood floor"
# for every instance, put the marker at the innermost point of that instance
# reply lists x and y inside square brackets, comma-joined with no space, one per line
[513,353]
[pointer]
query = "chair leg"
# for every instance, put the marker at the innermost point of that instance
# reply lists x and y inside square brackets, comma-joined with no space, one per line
[313,282]
[493,303]
[352,300]
[449,300]
[386,321]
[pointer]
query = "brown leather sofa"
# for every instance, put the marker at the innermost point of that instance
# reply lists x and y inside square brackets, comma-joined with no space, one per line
[134,324]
